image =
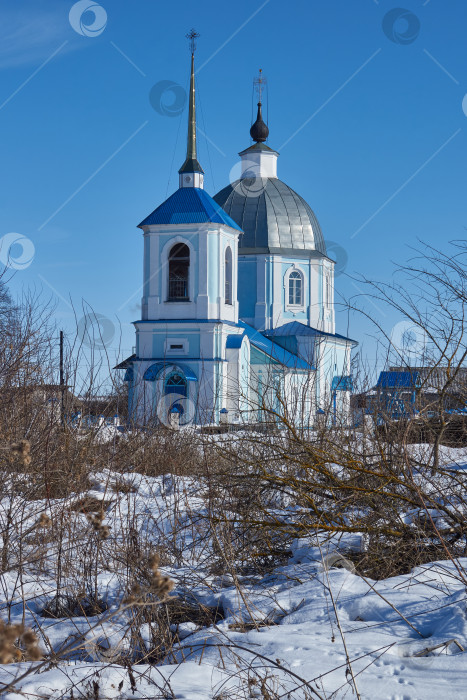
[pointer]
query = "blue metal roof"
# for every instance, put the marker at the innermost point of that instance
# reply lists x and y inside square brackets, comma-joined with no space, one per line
[276,352]
[296,328]
[343,383]
[395,380]
[154,370]
[189,205]
[187,371]
[234,340]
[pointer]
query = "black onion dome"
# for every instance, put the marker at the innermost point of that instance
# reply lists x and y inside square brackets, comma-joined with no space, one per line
[272,216]
[259,131]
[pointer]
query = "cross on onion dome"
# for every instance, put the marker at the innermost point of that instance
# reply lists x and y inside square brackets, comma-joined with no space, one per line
[259,132]
[259,84]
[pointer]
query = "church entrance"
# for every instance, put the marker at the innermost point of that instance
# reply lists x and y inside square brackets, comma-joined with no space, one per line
[177,384]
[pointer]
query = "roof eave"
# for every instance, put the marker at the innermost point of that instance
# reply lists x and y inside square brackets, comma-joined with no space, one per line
[124,364]
[259,148]
[288,252]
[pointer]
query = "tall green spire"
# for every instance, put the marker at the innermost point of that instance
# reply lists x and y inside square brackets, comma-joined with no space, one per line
[191,164]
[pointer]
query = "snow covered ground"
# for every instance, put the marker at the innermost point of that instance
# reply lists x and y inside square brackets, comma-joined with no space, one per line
[319,630]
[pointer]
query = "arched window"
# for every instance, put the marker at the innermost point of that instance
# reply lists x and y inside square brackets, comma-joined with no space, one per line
[295,289]
[176,384]
[179,266]
[228,275]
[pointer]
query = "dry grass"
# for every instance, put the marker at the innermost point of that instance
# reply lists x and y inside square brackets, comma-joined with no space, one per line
[258,492]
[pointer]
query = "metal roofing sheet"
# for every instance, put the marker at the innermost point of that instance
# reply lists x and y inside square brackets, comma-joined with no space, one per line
[275,351]
[234,341]
[344,383]
[453,379]
[300,329]
[272,215]
[189,205]
[393,380]
[126,363]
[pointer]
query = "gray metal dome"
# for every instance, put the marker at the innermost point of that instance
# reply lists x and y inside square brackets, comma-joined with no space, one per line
[273,217]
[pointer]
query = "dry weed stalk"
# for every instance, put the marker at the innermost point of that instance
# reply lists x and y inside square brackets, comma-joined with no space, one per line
[10,652]
[158,585]
[44,521]
[22,449]
[103,531]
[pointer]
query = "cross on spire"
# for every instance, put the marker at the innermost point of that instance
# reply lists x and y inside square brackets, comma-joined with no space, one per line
[259,84]
[191,172]
[192,36]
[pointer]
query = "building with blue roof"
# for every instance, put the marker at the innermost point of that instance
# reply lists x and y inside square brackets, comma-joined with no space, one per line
[237,311]
[405,392]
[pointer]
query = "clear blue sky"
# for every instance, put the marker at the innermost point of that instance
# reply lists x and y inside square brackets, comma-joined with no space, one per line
[379,153]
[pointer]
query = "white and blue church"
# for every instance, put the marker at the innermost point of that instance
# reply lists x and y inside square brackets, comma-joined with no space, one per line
[237,315]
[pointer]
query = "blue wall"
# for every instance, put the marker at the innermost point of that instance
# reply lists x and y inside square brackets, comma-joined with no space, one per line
[247,287]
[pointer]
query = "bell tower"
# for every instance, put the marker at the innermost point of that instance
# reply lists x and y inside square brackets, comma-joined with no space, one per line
[190,245]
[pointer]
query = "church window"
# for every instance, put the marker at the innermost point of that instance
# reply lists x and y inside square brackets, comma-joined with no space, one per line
[176,384]
[179,266]
[295,289]
[228,276]
[176,346]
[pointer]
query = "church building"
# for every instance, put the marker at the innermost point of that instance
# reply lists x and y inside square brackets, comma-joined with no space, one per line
[237,315]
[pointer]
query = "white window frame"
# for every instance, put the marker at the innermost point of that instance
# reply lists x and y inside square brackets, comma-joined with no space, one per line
[294,307]
[172,352]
